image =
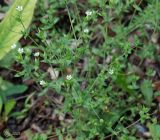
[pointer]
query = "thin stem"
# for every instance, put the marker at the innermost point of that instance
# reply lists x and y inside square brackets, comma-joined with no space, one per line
[71,21]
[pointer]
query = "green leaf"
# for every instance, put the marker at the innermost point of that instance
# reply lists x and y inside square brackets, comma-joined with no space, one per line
[121,82]
[15,89]
[147,91]
[113,117]
[10,28]
[1,138]
[9,106]
[8,89]
[155,131]
[8,60]
[4,84]
[137,8]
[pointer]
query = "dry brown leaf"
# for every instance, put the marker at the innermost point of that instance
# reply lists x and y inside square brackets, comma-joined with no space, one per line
[53,73]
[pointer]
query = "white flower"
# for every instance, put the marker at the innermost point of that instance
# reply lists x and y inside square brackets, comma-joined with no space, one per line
[69,77]
[89,13]
[111,71]
[86,30]
[21,50]
[42,82]
[13,46]
[36,54]
[19,8]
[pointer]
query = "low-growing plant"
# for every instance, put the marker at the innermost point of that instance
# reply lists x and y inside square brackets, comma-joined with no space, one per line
[86,59]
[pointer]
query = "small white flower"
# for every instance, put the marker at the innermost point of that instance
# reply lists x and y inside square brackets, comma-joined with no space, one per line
[19,8]
[21,50]
[89,13]
[69,77]
[111,71]
[42,82]
[36,54]
[13,46]
[86,30]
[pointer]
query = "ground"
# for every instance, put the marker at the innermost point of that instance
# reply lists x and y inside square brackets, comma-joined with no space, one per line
[83,70]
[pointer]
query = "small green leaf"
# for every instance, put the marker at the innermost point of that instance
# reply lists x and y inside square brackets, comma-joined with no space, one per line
[9,105]
[155,131]
[15,89]
[1,138]
[8,60]
[113,117]
[137,8]
[121,82]
[147,91]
